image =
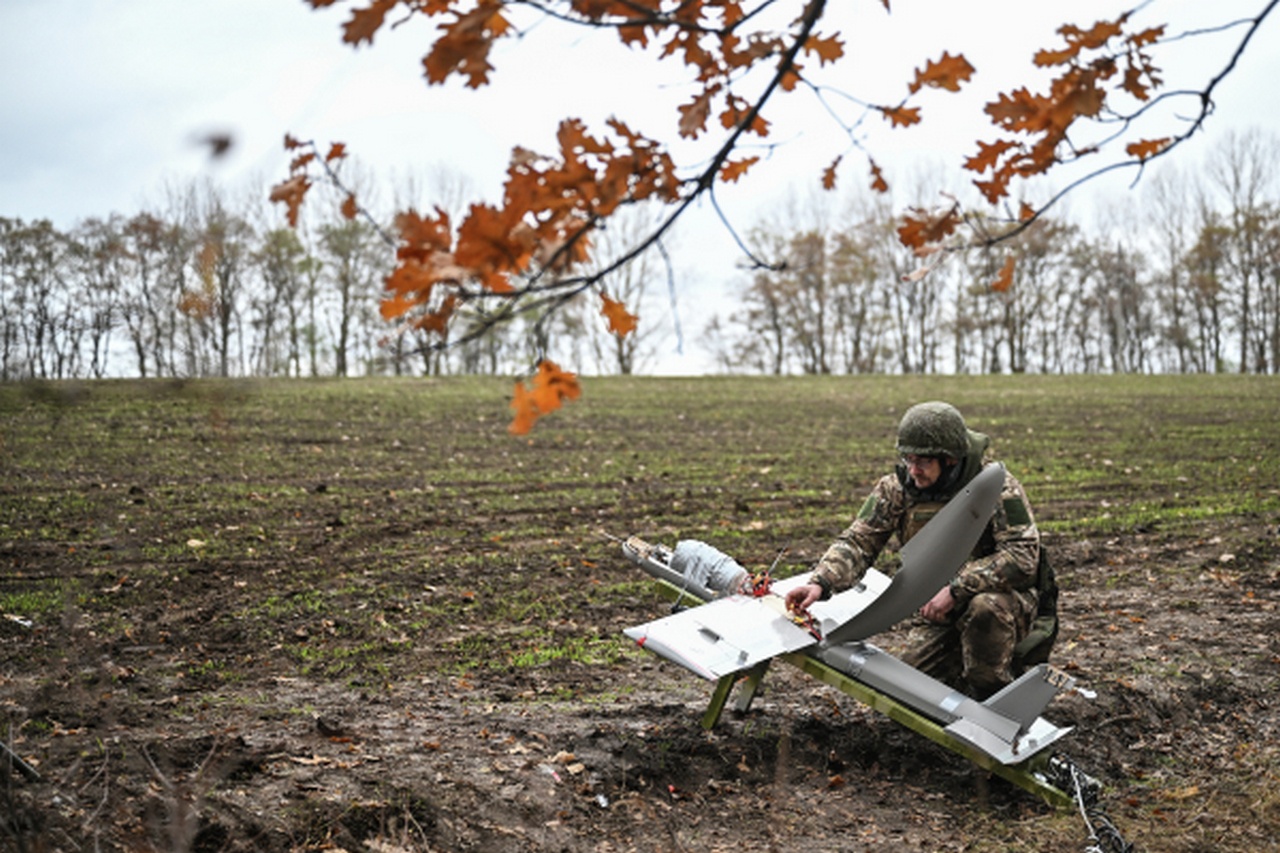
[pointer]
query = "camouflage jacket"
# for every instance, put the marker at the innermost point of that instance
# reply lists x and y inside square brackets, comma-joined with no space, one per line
[1004,560]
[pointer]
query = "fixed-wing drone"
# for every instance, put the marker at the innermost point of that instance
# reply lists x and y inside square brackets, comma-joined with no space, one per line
[730,635]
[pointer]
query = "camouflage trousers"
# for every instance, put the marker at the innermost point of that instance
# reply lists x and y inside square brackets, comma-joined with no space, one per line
[973,650]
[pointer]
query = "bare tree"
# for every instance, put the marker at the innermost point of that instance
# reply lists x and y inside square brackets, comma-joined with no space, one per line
[223,265]
[635,284]
[101,266]
[355,264]
[1242,170]
[281,262]
[1168,204]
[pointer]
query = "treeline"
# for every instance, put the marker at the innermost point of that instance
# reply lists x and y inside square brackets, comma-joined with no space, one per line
[196,291]
[1185,278]
[211,288]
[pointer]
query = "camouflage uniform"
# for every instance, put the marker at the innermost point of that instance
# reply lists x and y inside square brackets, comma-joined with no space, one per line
[994,591]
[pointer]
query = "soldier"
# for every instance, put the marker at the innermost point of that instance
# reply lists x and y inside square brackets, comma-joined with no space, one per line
[969,630]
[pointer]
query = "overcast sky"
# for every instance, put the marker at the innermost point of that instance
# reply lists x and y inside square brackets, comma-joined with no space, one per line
[103,101]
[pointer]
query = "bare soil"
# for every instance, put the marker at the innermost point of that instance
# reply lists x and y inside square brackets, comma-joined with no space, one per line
[330,667]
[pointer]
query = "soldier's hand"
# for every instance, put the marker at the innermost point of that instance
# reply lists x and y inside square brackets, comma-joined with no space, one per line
[799,599]
[937,608]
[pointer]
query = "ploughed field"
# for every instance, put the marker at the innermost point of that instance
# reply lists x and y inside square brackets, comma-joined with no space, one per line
[312,615]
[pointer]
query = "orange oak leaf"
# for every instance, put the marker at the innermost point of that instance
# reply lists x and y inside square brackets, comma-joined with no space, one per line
[526,411]
[1046,57]
[492,246]
[552,386]
[464,47]
[438,321]
[290,192]
[1005,279]
[901,116]
[1073,95]
[693,115]
[349,209]
[1146,37]
[988,155]
[878,183]
[394,307]
[1147,147]
[688,43]
[1077,40]
[829,174]
[1096,36]
[549,387]
[947,73]
[337,151]
[365,22]
[828,49]
[1015,111]
[737,112]
[621,322]
[919,231]
[996,188]
[734,169]
[1138,81]
[421,237]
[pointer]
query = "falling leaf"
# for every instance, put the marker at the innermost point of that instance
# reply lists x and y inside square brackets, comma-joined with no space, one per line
[218,143]
[621,322]
[549,387]
[526,411]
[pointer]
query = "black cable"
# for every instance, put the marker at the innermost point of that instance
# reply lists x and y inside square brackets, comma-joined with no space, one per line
[1104,836]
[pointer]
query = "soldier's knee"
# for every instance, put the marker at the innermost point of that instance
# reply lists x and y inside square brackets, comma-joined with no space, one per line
[987,610]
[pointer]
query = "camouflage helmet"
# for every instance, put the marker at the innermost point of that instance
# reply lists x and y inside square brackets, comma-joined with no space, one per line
[933,429]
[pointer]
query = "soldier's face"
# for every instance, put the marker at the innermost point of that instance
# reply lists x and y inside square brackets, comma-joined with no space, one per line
[924,471]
